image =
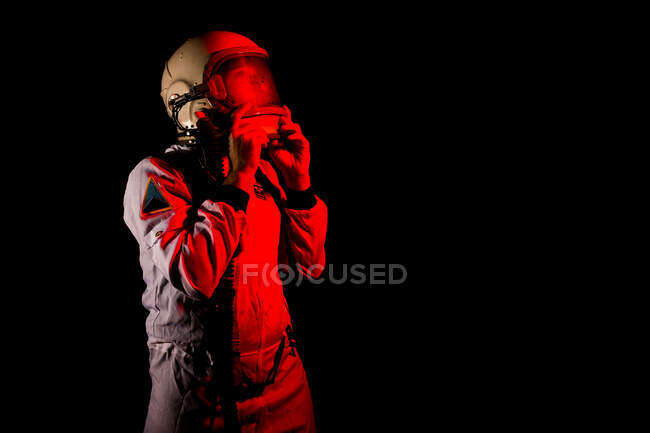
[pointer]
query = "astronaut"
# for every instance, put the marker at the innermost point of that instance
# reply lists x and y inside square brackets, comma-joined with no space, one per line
[214,215]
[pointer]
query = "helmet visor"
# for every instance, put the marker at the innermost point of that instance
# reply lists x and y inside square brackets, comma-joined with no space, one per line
[248,79]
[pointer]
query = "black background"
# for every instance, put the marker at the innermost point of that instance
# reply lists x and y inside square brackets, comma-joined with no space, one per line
[397,108]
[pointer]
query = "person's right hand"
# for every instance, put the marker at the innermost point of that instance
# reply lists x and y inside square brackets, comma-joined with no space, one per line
[246,140]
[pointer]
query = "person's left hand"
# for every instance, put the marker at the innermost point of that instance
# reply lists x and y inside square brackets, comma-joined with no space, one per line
[291,157]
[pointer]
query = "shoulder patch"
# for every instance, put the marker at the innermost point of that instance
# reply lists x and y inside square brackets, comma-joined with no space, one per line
[154,201]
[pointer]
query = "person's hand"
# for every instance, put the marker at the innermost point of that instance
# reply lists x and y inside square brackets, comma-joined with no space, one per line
[246,140]
[291,157]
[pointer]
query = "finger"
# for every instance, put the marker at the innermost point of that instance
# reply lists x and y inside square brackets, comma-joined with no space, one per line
[296,137]
[292,134]
[280,156]
[284,122]
[289,129]
[288,112]
[207,132]
[275,144]
[205,126]
[202,119]
[238,113]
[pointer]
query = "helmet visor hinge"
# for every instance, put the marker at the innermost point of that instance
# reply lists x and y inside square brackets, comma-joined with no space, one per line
[196,92]
[177,102]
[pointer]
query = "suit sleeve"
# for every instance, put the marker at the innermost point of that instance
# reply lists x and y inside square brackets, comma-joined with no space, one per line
[190,245]
[306,227]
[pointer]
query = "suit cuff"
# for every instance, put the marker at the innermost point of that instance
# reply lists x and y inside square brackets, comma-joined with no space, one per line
[231,195]
[300,200]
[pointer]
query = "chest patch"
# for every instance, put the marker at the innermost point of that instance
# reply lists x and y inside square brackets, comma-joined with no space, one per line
[259,191]
[154,201]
